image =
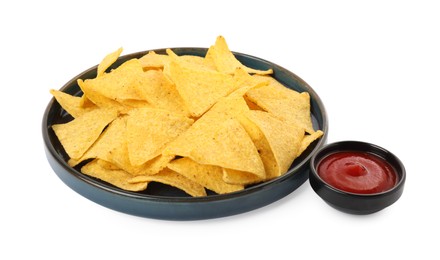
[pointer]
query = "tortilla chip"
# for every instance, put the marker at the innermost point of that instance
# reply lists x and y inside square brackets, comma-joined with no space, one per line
[72,104]
[225,60]
[308,139]
[108,60]
[224,143]
[107,165]
[172,178]
[243,79]
[190,61]
[284,103]
[117,177]
[208,176]
[112,137]
[284,139]
[271,166]
[129,104]
[124,82]
[79,134]
[149,130]
[152,60]
[91,95]
[195,62]
[199,89]
[120,157]
[226,108]
[160,92]
[252,105]
[234,177]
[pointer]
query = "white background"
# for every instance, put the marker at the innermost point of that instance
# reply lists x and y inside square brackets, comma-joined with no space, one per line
[375,65]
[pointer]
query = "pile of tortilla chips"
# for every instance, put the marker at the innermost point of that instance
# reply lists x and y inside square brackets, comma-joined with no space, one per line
[195,123]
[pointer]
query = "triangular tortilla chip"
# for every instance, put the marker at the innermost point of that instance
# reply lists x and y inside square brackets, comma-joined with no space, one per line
[225,60]
[243,79]
[308,139]
[112,137]
[190,61]
[172,178]
[129,104]
[149,130]
[116,177]
[208,176]
[91,95]
[108,60]
[124,82]
[152,60]
[263,147]
[72,104]
[284,139]
[224,143]
[120,157]
[79,134]
[199,89]
[234,177]
[284,103]
[224,109]
[160,92]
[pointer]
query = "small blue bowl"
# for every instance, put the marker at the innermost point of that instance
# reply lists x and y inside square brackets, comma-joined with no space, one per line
[354,203]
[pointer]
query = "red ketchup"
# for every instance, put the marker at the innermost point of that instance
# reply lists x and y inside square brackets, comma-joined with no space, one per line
[357,172]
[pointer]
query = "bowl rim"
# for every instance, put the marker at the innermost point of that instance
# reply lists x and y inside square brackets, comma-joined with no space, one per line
[332,148]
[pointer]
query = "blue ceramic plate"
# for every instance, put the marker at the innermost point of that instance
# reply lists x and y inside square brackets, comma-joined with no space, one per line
[165,202]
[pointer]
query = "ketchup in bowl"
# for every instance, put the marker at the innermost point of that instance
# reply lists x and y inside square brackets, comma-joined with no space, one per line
[357,172]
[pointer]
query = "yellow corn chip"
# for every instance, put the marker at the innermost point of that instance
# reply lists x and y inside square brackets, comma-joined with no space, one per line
[129,104]
[224,143]
[72,104]
[102,67]
[79,134]
[225,60]
[224,109]
[107,165]
[112,137]
[120,157]
[208,176]
[160,92]
[172,178]
[117,177]
[284,139]
[308,139]
[271,166]
[152,60]
[91,95]
[234,177]
[191,61]
[243,79]
[124,82]
[199,89]
[149,130]
[108,61]
[284,103]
